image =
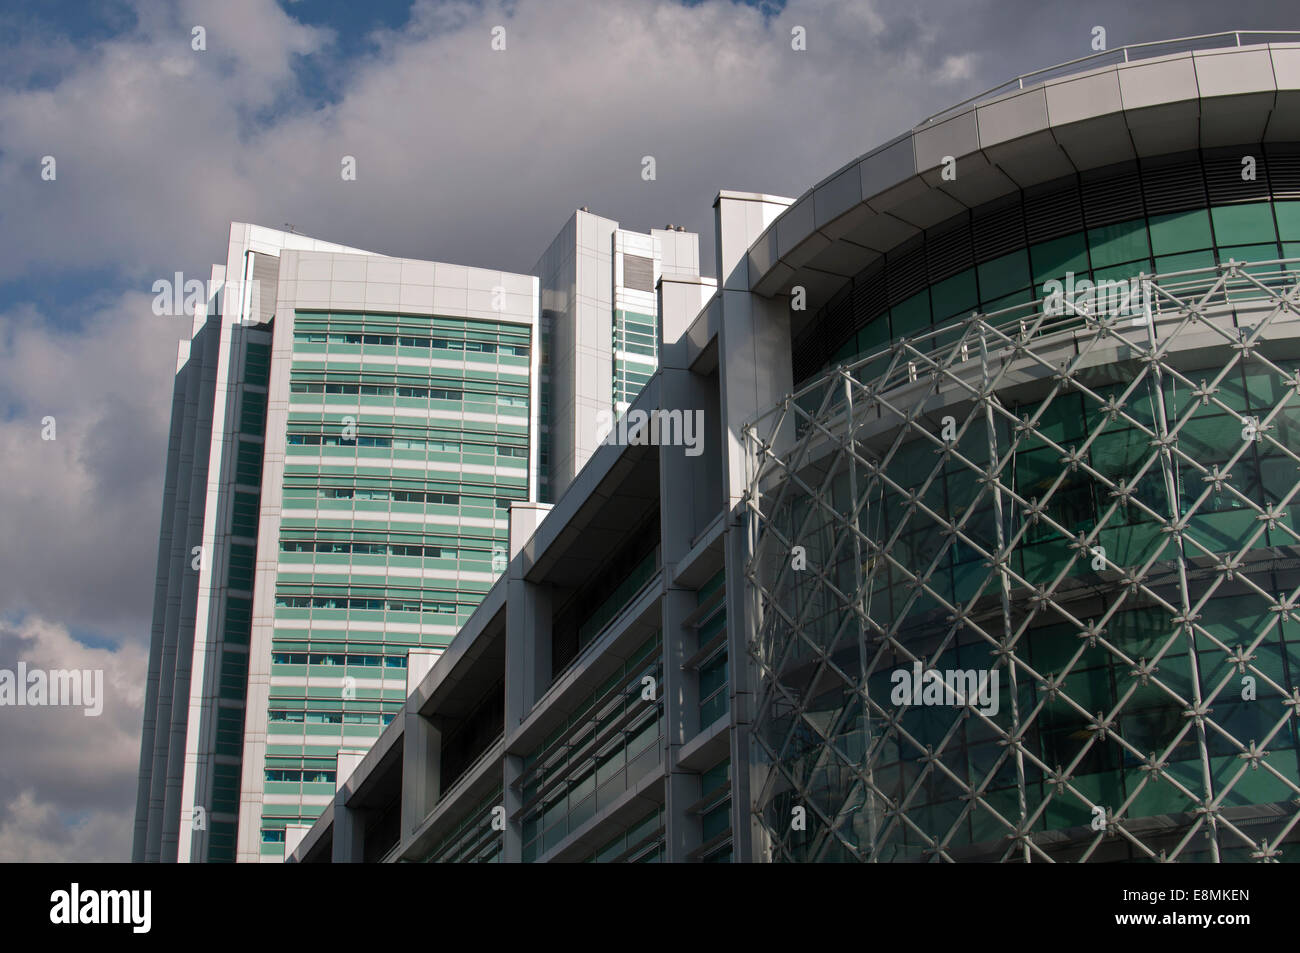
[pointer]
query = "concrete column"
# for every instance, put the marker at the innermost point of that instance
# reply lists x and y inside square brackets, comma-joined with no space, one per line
[528,649]
[512,838]
[421,749]
[524,520]
[528,675]
[694,485]
[754,359]
[681,697]
[293,835]
[349,843]
[528,622]
[528,657]
[421,770]
[754,337]
[682,482]
[744,682]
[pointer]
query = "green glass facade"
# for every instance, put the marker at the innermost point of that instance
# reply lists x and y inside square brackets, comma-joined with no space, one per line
[407,439]
[1168,215]
[613,737]
[636,354]
[1095,677]
[714,810]
[1106,528]
[475,839]
[237,596]
[714,685]
[641,843]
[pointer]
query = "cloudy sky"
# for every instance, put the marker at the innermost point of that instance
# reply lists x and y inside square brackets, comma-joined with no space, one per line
[463,154]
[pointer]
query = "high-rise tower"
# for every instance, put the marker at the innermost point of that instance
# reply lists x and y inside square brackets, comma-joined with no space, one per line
[349,431]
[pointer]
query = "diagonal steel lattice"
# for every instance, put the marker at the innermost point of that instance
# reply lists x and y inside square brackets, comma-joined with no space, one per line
[1136,603]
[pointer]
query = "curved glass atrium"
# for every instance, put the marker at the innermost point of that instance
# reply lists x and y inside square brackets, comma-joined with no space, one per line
[1081,512]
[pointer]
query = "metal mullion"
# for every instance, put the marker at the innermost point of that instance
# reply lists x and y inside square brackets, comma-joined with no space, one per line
[543,755]
[711,845]
[711,800]
[588,751]
[1193,661]
[707,651]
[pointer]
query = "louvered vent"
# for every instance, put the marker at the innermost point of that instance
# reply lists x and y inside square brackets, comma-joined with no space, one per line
[266,278]
[808,354]
[1173,188]
[836,318]
[948,252]
[869,297]
[1053,213]
[1284,175]
[638,273]
[1115,197]
[906,274]
[1226,186]
[999,232]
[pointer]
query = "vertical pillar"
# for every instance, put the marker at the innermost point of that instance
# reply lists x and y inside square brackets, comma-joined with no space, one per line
[682,481]
[528,621]
[528,659]
[293,835]
[754,358]
[421,748]
[349,823]
[741,620]
[754,336]
[680,688]
[680,692]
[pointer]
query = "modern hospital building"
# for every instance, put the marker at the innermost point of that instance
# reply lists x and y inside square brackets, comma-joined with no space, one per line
[956,519]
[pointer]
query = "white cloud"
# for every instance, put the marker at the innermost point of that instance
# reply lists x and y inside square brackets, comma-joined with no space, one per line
[33,831]
[464,153]
[81,511]
[67,790]
[470,155]
[955,68]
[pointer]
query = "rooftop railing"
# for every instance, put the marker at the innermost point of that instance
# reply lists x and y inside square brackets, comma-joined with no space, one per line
[1121,54]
